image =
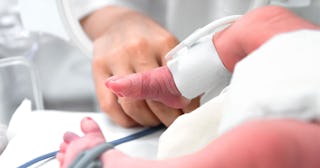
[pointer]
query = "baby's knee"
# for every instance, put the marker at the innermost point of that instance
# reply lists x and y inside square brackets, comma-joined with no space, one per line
[268,143]
[279,142]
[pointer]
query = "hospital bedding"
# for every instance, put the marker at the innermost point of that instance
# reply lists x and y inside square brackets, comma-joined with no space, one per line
[34,133]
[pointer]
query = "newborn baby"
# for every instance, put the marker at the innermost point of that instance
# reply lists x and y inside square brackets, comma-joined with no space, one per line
[264,119]
[267,134]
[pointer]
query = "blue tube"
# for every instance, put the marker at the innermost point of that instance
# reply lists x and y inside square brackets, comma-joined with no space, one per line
[40,158]
[131,137]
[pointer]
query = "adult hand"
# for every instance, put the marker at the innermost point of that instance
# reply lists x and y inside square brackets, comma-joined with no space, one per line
[127,42]
[232,44]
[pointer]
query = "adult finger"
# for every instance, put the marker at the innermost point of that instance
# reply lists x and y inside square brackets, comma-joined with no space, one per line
[135,109]
[107,100]
[168,42]
[195,103]
[139,111]
[164,113]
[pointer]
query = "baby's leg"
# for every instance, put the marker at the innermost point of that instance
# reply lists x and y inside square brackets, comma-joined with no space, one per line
[263,144]
[73,145]
[255,144]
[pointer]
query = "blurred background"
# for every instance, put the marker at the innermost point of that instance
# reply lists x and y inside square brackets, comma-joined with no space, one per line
[39,65]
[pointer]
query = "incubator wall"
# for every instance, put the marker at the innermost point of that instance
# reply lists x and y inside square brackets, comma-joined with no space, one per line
[18,80]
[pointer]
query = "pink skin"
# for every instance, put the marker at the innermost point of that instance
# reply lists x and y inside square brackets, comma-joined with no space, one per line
[263,144]
[156,84]
[73,144]
[232,44]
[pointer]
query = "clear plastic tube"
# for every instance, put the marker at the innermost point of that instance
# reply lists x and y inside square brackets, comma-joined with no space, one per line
[206,30]
[18,81]
[18,78]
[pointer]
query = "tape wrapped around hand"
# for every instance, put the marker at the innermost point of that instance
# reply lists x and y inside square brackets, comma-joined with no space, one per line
[198,69]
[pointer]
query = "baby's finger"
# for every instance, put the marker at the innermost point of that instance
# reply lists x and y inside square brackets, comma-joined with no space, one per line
[156,84]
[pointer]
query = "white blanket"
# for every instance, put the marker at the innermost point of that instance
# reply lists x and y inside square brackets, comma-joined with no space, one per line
[278,80]
[34,133]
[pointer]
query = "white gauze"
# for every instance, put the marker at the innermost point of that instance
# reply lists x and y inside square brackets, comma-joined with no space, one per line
[198,70]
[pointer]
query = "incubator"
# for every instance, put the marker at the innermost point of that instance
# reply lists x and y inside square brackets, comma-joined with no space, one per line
[61,32]
[17,74]
[18,82]
[64,16]
[45,51]
[18,79]
[59,21]
[28,70]
[64,22]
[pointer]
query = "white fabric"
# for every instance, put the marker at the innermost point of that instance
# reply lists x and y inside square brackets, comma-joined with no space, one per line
[181,17]
[279,80]
[199,69]
[82,8]
[193,131]
[42,16]
[34,133]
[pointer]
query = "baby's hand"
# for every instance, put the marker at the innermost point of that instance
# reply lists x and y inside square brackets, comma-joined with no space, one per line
[157,84]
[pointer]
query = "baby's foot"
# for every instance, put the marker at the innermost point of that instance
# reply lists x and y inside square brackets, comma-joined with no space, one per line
[72,144]
[157,84]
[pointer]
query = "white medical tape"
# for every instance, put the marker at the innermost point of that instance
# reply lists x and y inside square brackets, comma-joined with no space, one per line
[198,69]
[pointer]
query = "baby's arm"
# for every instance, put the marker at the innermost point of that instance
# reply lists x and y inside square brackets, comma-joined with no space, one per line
[232,45]
[253,30]
[265,143]
[260,143]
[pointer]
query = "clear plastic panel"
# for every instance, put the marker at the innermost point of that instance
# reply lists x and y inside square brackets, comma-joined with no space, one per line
[18,81]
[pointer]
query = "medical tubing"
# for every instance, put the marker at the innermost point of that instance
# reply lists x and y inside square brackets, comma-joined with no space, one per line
[40,158]
[128,138]
[90,156]
[201,32]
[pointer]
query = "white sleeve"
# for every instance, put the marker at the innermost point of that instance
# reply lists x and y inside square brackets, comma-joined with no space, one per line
[84,7]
